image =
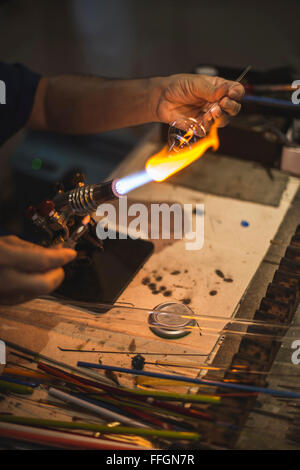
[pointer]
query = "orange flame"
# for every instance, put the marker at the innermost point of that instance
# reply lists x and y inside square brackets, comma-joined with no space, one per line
[164,163]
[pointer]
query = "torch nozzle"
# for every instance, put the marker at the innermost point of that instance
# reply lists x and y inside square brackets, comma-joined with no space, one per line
[85,199]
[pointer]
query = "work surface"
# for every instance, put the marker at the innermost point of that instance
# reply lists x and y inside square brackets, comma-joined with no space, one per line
[240,235]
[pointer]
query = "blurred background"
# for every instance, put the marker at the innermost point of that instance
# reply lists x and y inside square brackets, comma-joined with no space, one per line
[130,38]
[135,38]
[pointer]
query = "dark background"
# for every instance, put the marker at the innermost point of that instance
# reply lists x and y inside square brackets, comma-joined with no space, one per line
[138,38]
[134,38]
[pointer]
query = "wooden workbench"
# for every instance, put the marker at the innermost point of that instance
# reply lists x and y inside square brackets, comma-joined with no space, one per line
[232,247]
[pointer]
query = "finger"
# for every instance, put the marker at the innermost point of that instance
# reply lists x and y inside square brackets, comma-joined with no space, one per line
[205,88]
[215,93]
[231,107]
[28,257]
[46,259]
[13,240]
[236,91]
[17,286]
[223,120]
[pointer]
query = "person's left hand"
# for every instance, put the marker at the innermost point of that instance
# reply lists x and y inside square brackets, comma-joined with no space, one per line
[187,95]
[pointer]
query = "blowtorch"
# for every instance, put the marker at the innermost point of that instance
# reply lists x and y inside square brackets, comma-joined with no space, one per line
[66,217]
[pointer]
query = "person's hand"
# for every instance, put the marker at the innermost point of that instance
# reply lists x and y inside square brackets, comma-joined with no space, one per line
[28,270]
[191,96]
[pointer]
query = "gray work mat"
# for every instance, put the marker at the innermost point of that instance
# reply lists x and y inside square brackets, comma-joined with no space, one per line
[229,177]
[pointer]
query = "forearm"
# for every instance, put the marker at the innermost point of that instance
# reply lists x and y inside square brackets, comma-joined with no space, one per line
[86,105]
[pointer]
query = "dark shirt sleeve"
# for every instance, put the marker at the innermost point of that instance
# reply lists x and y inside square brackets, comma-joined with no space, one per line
[18,86]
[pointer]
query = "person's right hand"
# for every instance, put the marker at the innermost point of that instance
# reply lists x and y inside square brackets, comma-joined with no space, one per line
[191,95]
[28,270]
